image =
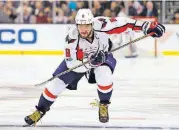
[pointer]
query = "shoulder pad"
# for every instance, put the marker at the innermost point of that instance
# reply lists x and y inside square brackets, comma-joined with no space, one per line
[72,34]
[102,23]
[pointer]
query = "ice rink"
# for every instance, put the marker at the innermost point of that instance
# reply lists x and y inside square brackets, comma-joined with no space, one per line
[145,96]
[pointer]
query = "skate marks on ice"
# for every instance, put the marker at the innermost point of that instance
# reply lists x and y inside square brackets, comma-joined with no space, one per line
[142,99]
[150,92]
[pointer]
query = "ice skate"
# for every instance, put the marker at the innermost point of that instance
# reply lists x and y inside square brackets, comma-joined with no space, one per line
[103,113]
[32,119]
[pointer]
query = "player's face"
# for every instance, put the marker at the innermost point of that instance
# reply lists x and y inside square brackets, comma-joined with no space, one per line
[84,30]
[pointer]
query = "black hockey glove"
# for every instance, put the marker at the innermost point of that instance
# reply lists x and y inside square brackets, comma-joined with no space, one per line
[155,27]
[98,59]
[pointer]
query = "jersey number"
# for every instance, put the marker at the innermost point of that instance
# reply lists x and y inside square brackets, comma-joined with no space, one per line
[113,19]
[67,52]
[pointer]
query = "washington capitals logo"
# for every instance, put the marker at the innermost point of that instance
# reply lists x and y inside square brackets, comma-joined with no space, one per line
[104,23]
[69,40]
[79,53]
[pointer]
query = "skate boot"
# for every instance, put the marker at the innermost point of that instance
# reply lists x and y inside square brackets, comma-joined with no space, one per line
[32,119]
[103,113]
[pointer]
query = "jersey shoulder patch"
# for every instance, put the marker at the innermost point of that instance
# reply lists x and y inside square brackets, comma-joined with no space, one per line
[72,35]
[102,23]
[69,40]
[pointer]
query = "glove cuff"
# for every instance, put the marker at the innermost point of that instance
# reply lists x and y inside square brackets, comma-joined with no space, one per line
[145,27]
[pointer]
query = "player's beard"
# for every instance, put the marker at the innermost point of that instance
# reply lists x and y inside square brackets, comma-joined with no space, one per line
[89,34]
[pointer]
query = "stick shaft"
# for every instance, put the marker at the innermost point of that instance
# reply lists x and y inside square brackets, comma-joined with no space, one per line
[135,40]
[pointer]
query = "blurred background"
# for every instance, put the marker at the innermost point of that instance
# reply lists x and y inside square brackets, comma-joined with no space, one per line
[62,12]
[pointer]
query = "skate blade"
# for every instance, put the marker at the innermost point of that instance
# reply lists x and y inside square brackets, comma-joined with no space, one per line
[27,125]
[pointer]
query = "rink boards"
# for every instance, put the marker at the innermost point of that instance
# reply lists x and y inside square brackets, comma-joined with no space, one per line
[42,39]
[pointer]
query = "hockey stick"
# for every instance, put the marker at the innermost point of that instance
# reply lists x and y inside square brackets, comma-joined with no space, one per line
[67,71]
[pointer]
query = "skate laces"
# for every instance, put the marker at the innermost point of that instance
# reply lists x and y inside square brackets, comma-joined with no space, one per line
[102,107]
[35,117]
[103,110]
[95,103]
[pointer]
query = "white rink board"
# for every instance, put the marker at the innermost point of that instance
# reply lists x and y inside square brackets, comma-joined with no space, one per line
[145,95]
[48,37]
[52,37]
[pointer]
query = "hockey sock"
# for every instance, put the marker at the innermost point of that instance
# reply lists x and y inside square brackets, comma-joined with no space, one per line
[44,104]
[104,97]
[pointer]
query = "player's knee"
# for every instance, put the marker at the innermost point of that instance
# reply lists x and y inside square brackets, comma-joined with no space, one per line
[103,75]
[53,89]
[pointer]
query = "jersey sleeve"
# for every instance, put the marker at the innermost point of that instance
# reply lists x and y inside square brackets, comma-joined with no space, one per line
[71,41]
[117,25]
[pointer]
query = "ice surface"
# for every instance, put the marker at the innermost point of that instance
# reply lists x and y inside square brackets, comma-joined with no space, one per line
[145,96]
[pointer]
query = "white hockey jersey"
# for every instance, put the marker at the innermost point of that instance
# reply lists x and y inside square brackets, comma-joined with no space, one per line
[77,49]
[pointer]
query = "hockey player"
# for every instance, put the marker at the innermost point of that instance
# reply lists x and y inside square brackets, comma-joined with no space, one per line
[119,39]
[129,36]
[89,39]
